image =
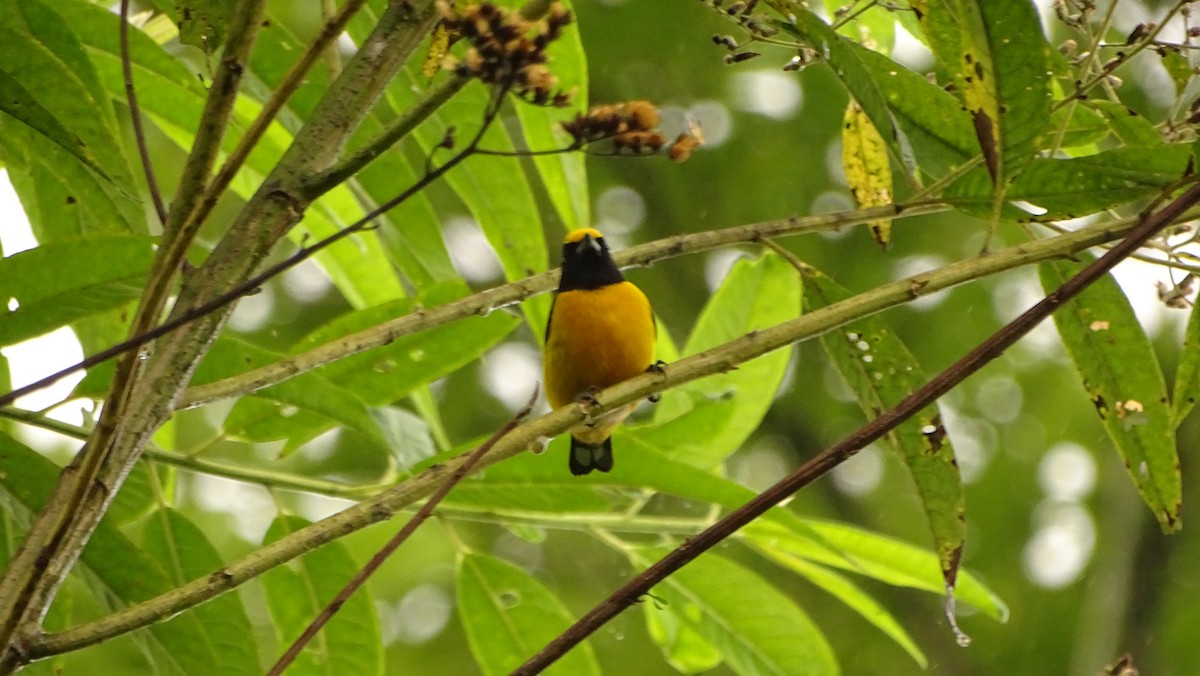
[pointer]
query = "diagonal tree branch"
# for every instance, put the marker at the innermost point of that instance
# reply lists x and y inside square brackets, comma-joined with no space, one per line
[398,539]
[49,548]
[1148,225]
[135,116]
[287,86]
[717,360]
[515,292]
[83,492]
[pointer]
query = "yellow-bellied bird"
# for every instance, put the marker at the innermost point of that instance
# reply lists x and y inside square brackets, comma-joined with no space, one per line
[601,331]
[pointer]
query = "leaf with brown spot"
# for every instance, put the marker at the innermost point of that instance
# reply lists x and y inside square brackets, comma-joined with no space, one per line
[881,371]
[999,59]
[1121,374]
[924,127]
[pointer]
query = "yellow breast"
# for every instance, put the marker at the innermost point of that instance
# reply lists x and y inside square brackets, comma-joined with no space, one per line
[596,338]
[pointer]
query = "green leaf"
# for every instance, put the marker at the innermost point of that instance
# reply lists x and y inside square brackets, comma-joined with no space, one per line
[850,548]
[683,647]
[540,485]
[564,175]
[693,423]
[357,384]
[874,28]
[172,98]
[203,23]
[1076,125]
[509,615]
[358,268]
[384,374]
[350,643]
[65,199]
[412,232]
[61,282]
[18,103]
[493,188]
[924,126]
[1129,127]
[848,593]
[310,393]
[881,372]
[1067,188]
[997,54]
[136,497]
[756,294]
[350,390]
[1187,373]
[125,571]
[51,77]
[1177,66]
[758,629]
[1122,377]
[54,89]
[224,627]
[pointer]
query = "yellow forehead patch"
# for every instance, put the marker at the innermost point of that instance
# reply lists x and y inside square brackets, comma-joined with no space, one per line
[578,235]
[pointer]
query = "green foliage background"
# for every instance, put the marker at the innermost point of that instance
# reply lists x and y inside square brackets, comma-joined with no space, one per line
[523,548]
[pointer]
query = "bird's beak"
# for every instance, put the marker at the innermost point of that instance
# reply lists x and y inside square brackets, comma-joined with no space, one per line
[590,241]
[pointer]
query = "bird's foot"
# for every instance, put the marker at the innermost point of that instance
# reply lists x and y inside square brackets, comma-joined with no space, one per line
[587,401]
[659,367]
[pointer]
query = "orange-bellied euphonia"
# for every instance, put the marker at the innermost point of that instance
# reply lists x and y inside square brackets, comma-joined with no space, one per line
[601,331]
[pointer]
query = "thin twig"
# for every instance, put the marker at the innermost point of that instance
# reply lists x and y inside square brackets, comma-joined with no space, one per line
[1081,90]
[388,549]
[514,292]
[431,100]
[716,360]
[33,575]
[287,86]
[255,282]
[135,116]
[262,477]
[942,383]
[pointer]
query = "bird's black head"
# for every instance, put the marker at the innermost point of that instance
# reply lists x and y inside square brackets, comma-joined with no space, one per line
[586,262]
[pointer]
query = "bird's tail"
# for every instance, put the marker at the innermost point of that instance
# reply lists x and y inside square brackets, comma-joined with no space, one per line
[587,457]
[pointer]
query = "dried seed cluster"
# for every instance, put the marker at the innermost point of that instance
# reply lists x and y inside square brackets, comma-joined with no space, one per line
[631,125]
[507,49]
[633,128]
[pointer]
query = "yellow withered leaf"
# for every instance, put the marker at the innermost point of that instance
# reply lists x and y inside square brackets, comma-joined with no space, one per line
[868,173]
[439,46]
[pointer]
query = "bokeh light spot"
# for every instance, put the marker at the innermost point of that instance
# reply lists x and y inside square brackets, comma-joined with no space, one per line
[716,123]
[1061,546]
[510,373]
[418,617]
[470,250]
[1000,399]
[768,93]
[253,312]
[860,474]
[1067,472]
[619,210]
[306,282]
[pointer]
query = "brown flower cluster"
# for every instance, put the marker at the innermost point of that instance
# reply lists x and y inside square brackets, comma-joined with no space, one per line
[633,128]
[507,49]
